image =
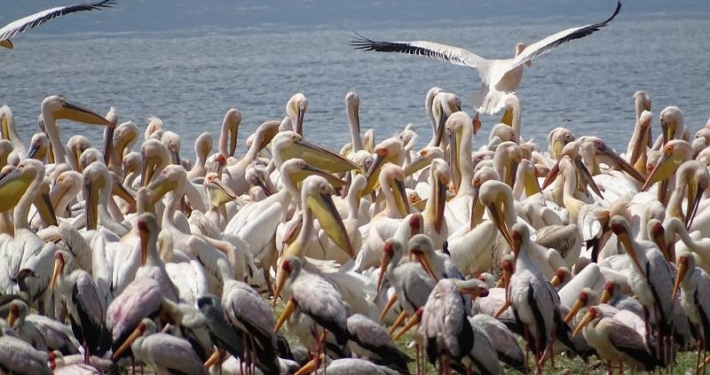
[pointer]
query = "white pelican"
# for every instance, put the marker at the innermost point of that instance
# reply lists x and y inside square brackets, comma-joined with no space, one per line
[28,22]
[9,132]
[55,108]
[498,77]
[26,249]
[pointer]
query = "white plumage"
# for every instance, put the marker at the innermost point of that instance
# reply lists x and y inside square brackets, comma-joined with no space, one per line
[498,77]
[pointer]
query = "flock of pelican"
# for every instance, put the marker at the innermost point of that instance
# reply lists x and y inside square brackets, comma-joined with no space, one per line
[126,254]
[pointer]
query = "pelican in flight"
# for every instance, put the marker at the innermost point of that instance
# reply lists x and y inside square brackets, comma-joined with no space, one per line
[29,22]
[498,77]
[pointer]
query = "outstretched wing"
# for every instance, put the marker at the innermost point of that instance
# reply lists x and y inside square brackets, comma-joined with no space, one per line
[34,20]
[455,55]
[547,44]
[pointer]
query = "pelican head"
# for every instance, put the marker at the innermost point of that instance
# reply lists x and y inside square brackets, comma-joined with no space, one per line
[506,160]
[498,198]
[455,127]
[295,110]
[621,228]
[132,164]
[172,142]
[155,158]
[592,314]
[125,136]
[671,123]
[439,180]
[203,145]
[96,179]
[77,145]
[14,181]
[643,101]
[696,176]
[423,159]
[60,108]
[392,177]
[169,180]
[316,194]
[643,124]
[557,139]
[219,193]
[352,104]
[528,174]
[519,48]
[571,150]
[445,105]
[39,147]
[299,169]
[232,120]
[389,150]
[287,145]
[422,248]
[511,108]
[601,148]
[6,149]
[88,157]
[154,130]
[675,152]
[480,176]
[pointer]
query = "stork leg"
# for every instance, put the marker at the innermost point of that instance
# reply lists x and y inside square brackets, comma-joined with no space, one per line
[253,354]
[609,368]
[86,352]
[322,346]
[621,367]
[526,337]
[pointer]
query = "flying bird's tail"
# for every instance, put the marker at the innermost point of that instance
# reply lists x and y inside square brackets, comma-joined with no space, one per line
[487,101]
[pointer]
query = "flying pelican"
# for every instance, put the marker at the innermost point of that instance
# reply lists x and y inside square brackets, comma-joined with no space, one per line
[498,77]
[28,22]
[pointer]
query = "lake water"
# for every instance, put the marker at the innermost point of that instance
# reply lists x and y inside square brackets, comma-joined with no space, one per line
[188,64]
